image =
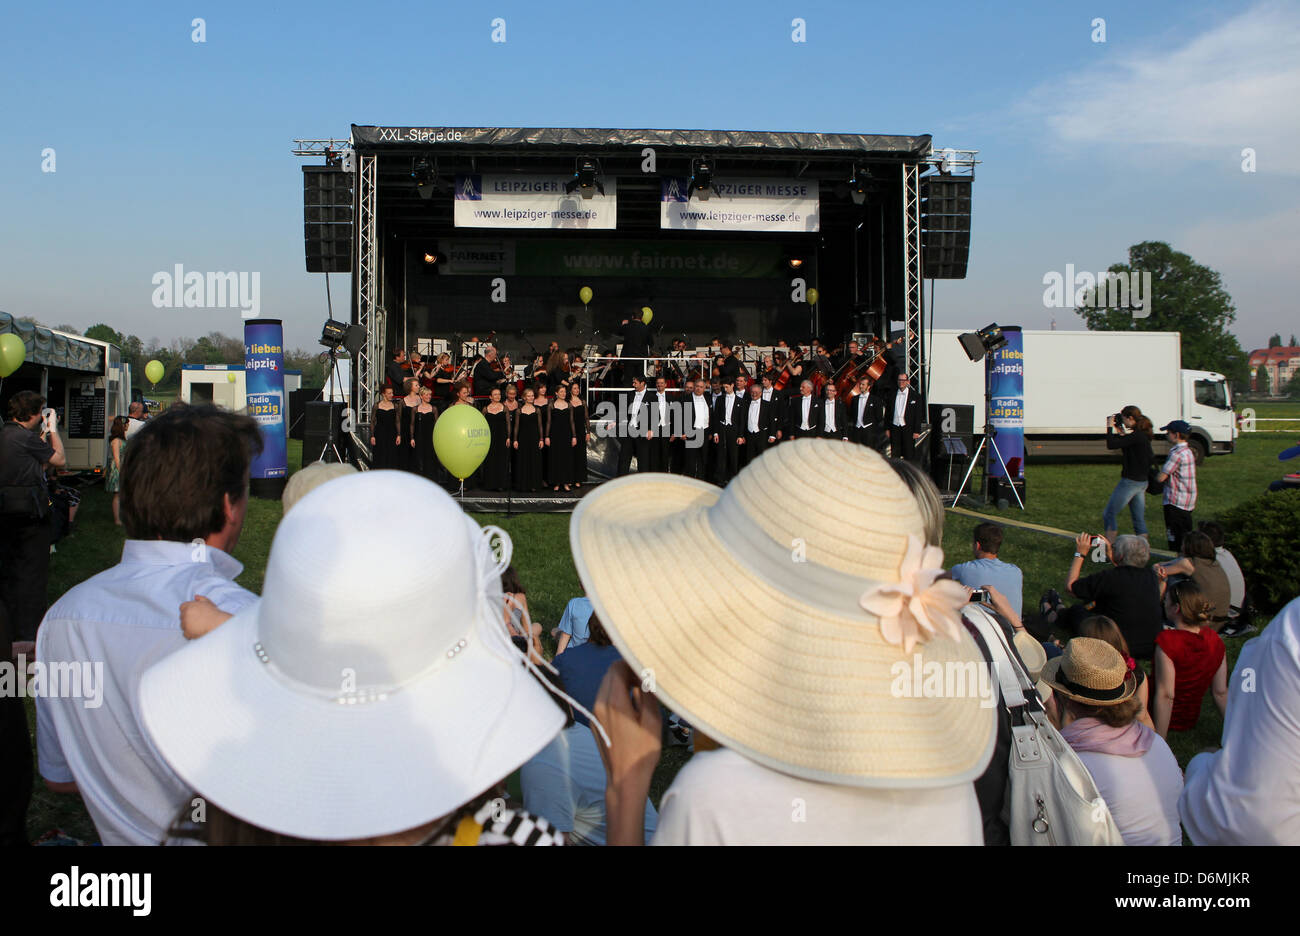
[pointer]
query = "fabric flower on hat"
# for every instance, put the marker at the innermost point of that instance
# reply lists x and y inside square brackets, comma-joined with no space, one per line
[920,604]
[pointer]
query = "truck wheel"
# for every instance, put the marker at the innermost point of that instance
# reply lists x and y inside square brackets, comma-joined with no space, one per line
[1199,451]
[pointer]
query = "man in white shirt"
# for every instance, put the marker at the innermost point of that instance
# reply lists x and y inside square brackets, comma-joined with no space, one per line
[636,440]
[697,427]
[805,413]
[758,421]
[184,495]
[660,426]
[834,422]
[135,419]
[1248,791]
[726,433]
[905,420]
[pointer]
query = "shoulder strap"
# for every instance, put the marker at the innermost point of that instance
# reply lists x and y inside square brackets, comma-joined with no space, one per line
[1004,664]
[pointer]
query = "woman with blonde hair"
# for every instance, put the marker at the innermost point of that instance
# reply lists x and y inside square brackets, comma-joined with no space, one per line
[1189,659]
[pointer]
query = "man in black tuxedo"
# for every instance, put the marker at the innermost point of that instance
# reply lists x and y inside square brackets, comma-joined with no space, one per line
[660,426]
[904,420]
[803,414]
[635,440]
[731,366]
[777,400]
[725,428]
[865,415]
[834,422]
[396,371]
[758,425]
[697,417]
[486,377]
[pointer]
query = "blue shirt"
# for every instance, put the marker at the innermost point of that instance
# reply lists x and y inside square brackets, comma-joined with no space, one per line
[574,622]
[1003,576]
[582,671]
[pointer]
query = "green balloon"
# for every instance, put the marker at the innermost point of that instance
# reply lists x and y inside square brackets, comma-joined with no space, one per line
[12,353]
[461,439]
[154,371]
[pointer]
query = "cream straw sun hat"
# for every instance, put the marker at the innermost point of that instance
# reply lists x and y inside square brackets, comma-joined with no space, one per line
[746,610]
[370,690]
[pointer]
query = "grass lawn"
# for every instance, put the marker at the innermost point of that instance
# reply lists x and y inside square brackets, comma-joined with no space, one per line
[1064,495]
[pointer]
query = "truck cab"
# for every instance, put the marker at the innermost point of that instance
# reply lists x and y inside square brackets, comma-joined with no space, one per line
[1207,408]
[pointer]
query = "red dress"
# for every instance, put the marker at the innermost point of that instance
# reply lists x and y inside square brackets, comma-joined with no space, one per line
[1196,658]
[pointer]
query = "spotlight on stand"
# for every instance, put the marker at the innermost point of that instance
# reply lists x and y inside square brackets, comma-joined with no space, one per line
[701,182]
[333,334]
[586,179]
[985,341]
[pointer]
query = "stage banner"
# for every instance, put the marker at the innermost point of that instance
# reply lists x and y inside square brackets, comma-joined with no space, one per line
[532,201]
[264,385]
[740,204]
[1005,372]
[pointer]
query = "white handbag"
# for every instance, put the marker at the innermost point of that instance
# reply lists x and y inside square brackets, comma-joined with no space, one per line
[1053,799]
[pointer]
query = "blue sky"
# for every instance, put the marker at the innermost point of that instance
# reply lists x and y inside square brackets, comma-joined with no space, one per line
[170,151]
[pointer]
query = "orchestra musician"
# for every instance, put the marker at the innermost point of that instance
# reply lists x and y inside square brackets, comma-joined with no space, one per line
[834,418]
[488,373]
[905,420]
[803,414]
[726,429]
[759,424]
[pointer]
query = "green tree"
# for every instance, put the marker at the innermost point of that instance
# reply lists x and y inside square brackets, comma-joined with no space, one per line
[1263,383]
[102,332]
[70,329]
[1293,386]
[1292,343]
[1188,298]
[1275,341]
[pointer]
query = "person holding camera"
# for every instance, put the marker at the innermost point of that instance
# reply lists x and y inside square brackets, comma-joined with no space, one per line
[29,443]
[1131,433]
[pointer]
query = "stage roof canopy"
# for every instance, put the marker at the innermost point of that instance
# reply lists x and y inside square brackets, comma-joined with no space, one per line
[559,141]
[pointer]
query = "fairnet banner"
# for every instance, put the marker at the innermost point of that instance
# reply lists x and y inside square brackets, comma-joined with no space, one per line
[1005,371]
[532,201]
[264,385]
[739,204]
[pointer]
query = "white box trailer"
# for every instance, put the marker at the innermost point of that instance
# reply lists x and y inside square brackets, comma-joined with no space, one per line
[224,385]
[1075,379]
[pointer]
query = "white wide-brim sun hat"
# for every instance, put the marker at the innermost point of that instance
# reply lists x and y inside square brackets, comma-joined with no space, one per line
[373,688]
[742,609]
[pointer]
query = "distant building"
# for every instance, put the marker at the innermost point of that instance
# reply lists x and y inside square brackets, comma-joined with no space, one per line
[1280,363]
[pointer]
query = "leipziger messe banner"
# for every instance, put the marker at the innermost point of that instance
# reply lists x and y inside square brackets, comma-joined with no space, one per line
[532,201]
[1005,371]
[264,386]
[740,204]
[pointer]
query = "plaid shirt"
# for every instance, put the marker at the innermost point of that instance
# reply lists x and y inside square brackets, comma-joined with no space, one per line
[1180,487]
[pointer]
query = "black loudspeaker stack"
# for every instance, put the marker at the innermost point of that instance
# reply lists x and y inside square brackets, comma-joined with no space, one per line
[316,433]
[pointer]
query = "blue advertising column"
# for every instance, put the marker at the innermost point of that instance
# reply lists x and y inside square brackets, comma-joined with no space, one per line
[264,378]
[1005,372]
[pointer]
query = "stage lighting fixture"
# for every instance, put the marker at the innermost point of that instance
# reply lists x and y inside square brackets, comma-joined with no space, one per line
[424,176]
[985,341]
[585,181]
[858,185]
[333,333]
[794,263]
[701,183]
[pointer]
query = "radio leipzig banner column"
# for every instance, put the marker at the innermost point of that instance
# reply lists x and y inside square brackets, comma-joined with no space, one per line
[1005,371]
[264,380]
[532,201]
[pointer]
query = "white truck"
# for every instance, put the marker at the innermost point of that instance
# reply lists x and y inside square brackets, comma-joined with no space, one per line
[1075,379]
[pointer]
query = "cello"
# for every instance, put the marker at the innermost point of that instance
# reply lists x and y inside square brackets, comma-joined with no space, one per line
[783,379]
[850,374]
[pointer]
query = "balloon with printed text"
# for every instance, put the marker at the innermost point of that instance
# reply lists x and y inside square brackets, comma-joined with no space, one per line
[461,439]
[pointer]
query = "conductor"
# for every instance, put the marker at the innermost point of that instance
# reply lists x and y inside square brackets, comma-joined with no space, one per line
[636,341]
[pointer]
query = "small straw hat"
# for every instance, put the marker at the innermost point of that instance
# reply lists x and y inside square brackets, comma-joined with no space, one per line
[1091,671]
[778,614]
[371,689]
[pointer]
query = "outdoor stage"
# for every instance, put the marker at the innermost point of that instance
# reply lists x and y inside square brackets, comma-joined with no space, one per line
[457,234]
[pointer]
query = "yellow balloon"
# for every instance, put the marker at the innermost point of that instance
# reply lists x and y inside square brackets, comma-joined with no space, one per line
[585,294]
[154,371]
[12,353]
[461,439]
[230,378]
[646,314]
[813,296]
